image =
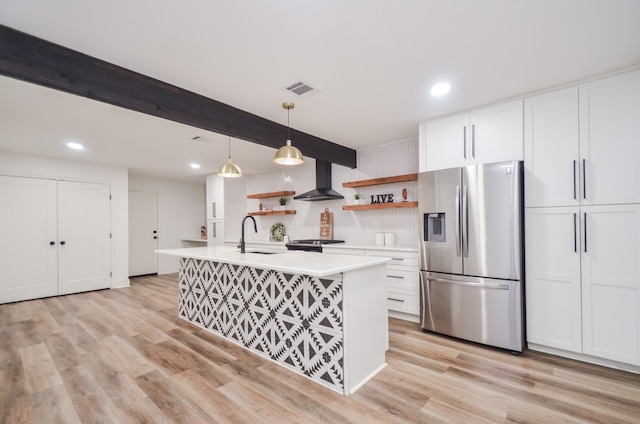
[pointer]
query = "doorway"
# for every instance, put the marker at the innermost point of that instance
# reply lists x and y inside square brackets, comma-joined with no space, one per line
[143,232]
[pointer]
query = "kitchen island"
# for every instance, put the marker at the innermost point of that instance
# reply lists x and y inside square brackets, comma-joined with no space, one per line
[323,316]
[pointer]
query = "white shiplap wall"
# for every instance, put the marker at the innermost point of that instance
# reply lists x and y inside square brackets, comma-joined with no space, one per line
[355,227]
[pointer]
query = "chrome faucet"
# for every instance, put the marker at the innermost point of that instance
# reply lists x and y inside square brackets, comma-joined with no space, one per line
[255,227]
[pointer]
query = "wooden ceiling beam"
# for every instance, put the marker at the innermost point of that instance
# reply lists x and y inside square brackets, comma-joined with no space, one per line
[38,61]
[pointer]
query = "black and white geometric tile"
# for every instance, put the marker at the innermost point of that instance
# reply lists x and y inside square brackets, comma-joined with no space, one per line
[293,319]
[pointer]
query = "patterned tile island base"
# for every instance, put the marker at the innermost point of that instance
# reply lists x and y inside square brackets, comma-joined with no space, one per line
[295,320]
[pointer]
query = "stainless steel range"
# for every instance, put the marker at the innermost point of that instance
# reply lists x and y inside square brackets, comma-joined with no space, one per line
[312,245]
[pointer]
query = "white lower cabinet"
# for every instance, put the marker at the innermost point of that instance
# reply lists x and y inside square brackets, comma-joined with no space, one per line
[553,286]
[403,289]
[611,282]
[583,280]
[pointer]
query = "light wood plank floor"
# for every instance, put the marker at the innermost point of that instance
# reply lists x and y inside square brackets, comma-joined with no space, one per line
[123,356]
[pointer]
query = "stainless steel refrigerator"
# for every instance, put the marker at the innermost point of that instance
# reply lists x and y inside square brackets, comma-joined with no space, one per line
[471,253]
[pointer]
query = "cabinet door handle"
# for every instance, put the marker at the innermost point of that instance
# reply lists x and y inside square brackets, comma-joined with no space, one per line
[585,232]
[396,300]
[62,243]
[464,141]
[574,179]
[473,141]
[52,243]
[584,178]
[575,232]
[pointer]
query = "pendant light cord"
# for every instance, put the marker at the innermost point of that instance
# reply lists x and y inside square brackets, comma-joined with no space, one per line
[288,126]
[229,147]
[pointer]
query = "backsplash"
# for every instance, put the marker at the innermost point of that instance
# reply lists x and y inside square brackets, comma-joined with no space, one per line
[355,227]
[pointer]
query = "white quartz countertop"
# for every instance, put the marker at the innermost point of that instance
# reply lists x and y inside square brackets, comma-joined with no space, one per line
[296,262]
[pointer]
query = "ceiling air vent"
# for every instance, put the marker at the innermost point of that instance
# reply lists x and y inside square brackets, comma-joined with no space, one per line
[302,89]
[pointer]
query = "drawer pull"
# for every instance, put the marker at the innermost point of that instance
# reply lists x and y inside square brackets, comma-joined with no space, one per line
[397,259]
[396,300]
[395,276]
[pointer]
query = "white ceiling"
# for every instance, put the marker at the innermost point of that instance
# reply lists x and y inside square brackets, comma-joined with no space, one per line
[372,60]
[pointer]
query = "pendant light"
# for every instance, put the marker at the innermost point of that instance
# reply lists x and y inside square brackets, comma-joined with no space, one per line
[230,169]
[288,155]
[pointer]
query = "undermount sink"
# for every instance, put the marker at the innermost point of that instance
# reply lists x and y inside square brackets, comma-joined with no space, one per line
[264,252]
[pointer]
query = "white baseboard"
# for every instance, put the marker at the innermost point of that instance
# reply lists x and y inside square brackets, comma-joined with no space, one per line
[585,358]
[122,283]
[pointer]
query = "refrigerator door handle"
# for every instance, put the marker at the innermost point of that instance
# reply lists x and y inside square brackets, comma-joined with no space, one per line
[469,284]
[458,252]
[465,222]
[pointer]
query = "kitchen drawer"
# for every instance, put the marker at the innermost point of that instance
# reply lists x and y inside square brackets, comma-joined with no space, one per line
[343,251]
[400,277]
[407,301]
[397,258]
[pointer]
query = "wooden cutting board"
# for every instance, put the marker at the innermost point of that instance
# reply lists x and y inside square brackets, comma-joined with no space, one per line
[326,225]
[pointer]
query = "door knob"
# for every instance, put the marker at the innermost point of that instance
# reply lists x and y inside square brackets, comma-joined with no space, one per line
[63,242]
[52,243]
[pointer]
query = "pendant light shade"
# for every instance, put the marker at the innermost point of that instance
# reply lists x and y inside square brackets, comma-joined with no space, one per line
[288,154]
[229,169]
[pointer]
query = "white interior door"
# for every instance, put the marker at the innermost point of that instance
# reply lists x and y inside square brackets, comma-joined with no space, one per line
[84,232]
[28,239]
[143,232]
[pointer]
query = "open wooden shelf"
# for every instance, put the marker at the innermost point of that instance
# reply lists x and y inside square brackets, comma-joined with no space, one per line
[391,205]
[383,180]
[272,194]
[259,213]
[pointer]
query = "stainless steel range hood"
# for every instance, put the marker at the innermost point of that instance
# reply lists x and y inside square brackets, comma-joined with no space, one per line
[323,190]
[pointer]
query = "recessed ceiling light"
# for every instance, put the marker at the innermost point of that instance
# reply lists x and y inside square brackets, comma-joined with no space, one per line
[440,89]
[75,146]
[195,165]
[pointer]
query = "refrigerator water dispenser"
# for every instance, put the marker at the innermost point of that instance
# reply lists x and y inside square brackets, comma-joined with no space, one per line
[434,225]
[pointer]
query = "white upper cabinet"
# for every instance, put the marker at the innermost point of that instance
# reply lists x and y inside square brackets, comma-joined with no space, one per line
[610,140]
[490,134]
[551,155]
[582,145]
[443,142]
[496,133]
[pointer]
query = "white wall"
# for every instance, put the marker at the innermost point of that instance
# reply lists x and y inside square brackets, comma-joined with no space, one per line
[56,169]
[181,212]
[355,227]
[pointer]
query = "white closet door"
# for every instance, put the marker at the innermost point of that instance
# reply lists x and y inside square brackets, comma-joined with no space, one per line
[143,226]
[84,222]
[28,221]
